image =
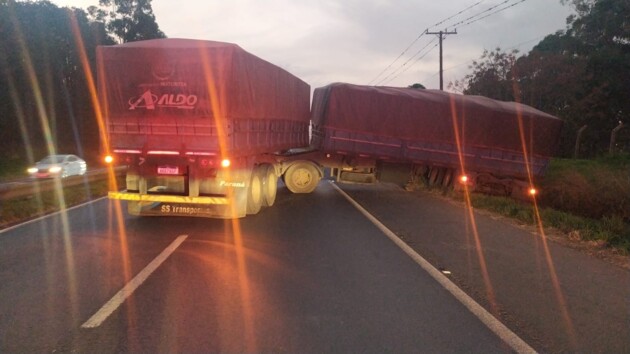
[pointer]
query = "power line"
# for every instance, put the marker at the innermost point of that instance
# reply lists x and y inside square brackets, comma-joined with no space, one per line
[492,13]
[459,13]
[398,57]
[467,21]
[468,62]
[414,63]
[418,37]
[395,72]
[471,18]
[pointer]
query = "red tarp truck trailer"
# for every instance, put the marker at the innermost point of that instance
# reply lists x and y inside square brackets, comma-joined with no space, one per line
[499,142]
[198,123]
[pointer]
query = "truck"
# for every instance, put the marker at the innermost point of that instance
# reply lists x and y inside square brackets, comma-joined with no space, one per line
[200,125]
[442,138]
[207,129]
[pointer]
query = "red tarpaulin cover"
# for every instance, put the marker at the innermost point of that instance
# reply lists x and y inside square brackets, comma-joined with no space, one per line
[181,88]
[423,119]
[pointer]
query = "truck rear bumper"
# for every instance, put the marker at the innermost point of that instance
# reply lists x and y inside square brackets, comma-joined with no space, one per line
[167,198]
[172,205]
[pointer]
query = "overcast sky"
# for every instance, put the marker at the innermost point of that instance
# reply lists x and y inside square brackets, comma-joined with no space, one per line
[324,41]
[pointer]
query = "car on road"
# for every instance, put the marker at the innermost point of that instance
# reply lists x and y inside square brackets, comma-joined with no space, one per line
[58,166]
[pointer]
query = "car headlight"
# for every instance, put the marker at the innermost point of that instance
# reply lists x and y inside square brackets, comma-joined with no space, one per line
[54,169]
[32,169]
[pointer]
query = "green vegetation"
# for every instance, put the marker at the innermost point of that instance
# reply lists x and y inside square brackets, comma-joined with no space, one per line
[45,100]
[589,200]
[592,188]
[580,75]
[17,210]
[12,167]
[611,230]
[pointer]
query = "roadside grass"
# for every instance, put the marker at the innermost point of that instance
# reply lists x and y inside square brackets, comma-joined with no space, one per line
[16,210]
[12,167]
[588,200]
[608,231]
[591,188]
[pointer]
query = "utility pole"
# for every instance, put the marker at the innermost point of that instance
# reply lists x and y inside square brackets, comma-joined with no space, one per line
[442,34]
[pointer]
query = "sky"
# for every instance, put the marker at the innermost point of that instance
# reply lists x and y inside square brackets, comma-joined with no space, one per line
[366,42]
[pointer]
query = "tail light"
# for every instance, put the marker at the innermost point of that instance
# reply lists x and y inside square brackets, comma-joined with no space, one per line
[463,179]
[225,163]
[532,192]
[109,159]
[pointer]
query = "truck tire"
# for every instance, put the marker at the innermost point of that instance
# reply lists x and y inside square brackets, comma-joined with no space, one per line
[302,177]
[254,193]
[269,185]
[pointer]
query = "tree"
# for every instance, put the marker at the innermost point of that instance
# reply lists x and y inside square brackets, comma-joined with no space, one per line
[491,76]
[131,20]
[581,74]
[602,29]
[44,96]
[417,86]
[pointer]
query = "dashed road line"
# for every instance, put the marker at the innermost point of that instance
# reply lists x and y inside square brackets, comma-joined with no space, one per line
[101,315]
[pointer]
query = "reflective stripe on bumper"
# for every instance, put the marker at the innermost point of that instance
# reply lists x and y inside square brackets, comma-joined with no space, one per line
[167,198]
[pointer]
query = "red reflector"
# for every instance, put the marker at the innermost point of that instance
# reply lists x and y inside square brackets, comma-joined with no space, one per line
[160,152]
[200,153]
[127,151]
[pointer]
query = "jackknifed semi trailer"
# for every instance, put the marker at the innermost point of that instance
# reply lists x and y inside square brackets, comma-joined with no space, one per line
[442,138]
[207,129]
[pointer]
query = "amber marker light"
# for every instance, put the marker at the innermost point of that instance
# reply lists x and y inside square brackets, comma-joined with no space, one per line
[532,192]
[463,179]
[225,163]
[109,159]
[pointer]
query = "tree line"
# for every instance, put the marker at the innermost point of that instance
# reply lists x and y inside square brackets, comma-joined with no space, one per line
[581,74]
[45,103]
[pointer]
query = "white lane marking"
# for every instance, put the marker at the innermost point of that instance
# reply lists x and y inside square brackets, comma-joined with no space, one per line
[50,215]
[99,317]
[509,337]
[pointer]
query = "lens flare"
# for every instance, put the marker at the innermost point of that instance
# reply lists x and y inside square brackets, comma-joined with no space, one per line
[560,298]
[217,103]
[98,113]
[470,212]
[48,138]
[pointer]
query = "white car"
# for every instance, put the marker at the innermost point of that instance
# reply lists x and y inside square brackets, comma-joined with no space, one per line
[58,166]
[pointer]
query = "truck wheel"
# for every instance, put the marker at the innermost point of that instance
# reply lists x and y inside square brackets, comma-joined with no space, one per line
[301,177]
[254,193]
[269,185]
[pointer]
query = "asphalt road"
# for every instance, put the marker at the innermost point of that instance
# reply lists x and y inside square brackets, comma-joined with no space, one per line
[310,274]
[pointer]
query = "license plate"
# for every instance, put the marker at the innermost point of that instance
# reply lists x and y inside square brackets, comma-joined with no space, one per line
[168,170]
